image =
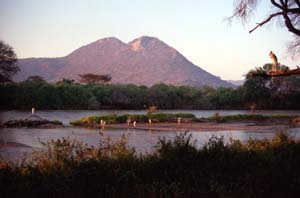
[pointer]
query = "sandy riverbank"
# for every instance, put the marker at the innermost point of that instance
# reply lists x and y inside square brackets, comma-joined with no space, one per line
[202,126]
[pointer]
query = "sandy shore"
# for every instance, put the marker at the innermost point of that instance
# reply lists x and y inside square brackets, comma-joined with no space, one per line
[201,126]
[12,144]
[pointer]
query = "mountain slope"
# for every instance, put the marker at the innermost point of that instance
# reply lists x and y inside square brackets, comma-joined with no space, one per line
[143,61]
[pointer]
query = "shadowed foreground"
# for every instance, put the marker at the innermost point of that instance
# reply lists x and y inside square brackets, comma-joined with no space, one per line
[177,168]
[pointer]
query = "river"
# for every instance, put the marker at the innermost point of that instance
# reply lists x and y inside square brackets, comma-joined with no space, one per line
[15,142]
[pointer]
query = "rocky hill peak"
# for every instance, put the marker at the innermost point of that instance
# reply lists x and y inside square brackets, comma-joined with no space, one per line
[143,61]
[146,42]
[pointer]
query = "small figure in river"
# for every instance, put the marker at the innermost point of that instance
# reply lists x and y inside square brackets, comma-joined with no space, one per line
[252,107]
[134,123]
[128,121]
[178,120]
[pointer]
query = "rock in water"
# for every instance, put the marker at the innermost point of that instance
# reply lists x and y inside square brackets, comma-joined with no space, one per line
[32,121]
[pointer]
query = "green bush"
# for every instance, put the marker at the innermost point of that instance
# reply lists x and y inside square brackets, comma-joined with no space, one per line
[240,117]
[112,119]
[122,118]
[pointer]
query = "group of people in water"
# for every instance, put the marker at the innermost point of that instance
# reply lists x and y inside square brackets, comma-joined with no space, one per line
[129,121]
[134,122]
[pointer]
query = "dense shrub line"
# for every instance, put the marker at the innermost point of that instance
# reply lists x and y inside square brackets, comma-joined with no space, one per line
[177,168]
[69,95]
[247,117]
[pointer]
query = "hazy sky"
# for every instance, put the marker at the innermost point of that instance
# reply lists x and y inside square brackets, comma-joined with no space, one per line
[196,28]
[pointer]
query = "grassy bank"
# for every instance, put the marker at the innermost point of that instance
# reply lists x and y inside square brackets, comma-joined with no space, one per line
[177,168]
[91,121]
[143,118]
[247,117]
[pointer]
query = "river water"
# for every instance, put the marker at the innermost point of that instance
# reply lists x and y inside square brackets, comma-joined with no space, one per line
[15,142]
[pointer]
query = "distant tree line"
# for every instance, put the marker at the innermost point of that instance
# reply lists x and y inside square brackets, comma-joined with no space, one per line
[261,91]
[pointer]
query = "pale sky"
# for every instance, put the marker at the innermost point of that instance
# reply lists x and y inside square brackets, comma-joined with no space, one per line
[196,28]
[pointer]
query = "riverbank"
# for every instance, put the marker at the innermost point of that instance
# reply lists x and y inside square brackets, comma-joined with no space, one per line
[200,127]
[66,116]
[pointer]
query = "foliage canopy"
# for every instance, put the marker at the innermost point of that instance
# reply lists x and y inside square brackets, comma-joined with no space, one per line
[8,63]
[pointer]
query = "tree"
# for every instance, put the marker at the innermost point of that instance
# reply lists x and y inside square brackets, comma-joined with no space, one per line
[67,81]
[286,10]
[8,63]
[264,71]
[256,91]
[35,79]
[266,91]
[94,78]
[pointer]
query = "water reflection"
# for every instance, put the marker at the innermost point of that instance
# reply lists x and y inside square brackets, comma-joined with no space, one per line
[142,140]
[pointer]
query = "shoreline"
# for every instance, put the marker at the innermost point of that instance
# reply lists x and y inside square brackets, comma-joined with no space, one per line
[200,127]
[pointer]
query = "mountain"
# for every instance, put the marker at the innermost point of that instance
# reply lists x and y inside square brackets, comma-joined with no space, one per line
[236,82]
[143,61]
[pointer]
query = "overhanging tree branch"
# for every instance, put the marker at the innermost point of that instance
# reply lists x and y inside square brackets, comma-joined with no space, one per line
[276,4]
[290,25]
[266,20]
[286,10]
[293,10]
